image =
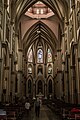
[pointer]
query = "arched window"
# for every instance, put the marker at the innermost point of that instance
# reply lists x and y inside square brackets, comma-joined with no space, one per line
[49,69]
[49,56]
[40,56]
[29,86]
[50,86]
[30,56]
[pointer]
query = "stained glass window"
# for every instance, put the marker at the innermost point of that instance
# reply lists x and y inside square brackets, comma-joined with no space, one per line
[39,56]
[49,56]
[30,55]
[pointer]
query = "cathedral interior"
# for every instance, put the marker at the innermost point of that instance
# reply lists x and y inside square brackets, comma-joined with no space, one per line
[40,50]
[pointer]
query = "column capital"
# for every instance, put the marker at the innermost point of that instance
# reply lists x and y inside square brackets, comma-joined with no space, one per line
[3,44]
[73,6]
[12,22]
[72,66]
[16,34]
[75,44]
[0,59]
[59,71]
[20,71]
[67,23]
[34,64]
[10,55]
[63,62]
[5,5]
[6,67]
[13,72]
[68,55]
[25,59]
[78,59]
[63,34]
[15,62]
[58,50]
[66,72]
[20,50]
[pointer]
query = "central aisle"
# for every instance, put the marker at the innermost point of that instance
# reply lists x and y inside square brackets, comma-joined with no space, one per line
[45,114]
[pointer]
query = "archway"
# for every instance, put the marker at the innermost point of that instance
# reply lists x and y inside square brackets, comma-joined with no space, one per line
[39,87]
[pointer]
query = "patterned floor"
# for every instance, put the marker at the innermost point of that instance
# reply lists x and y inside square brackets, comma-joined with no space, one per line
[45,114]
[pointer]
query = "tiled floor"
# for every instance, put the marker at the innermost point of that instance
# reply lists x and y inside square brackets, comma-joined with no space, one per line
[45,114]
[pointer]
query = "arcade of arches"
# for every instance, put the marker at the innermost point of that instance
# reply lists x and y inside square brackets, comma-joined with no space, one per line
[40,49]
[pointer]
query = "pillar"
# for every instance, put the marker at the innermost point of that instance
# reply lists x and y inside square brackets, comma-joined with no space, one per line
[19,74]
[34,89]
[69,83]
[1,51]
[76,54]
[59,74]
[13,85]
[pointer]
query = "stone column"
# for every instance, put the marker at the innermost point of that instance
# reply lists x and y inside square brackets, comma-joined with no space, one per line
[1,51]
[45,88]
[59,73]
[76,53]
[6,83]
[45,68]
[34,84]
[34,89]
[69,83]
[0,79]
[4,23]
[19,71]
[34,72]
[10,58]
[13,85]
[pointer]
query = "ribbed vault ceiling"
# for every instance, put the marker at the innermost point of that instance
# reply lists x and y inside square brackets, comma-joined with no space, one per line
[41,31]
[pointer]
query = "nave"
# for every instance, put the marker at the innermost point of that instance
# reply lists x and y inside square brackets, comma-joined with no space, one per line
[45,114]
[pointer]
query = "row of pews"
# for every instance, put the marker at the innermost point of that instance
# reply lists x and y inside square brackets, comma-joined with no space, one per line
[12,112]
[66,111]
